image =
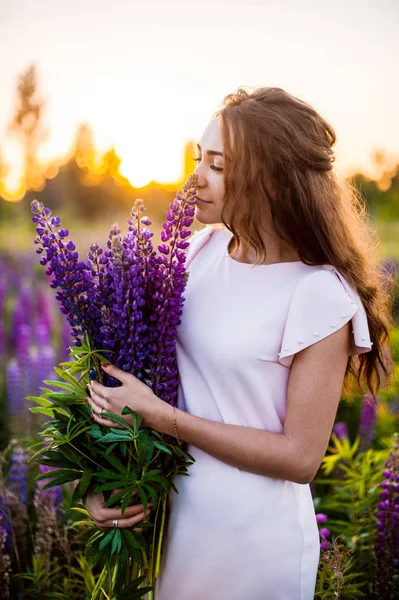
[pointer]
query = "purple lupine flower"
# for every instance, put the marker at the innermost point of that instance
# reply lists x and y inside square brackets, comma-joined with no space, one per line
[368,419]
[324,533]
[5,562]
[42,335]
[321,518]
[5,519]
[18,475]
[387,542]
[340,430]
[77,292]
[44,320]
[127,299]
[124,288]
[2,339]
[167,285]
[3,292]
[15,388]
[324,545]
[23,342]
[52,497]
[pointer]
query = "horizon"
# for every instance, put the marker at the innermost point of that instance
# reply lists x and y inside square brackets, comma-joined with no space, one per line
[143,79]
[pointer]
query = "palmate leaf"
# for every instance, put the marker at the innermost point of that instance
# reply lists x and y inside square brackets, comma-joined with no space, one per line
[72,476]
[132,591]
[145,449]
[162,447]
[118,419]
[40,400]
[61,384]
[67,377]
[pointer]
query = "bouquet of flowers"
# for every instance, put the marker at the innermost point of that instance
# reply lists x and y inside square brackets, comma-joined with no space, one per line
[123,305]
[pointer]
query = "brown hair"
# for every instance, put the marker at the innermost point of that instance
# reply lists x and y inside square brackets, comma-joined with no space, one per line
[285,166]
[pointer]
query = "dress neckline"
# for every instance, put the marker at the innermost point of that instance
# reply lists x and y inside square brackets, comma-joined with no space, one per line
[247,265]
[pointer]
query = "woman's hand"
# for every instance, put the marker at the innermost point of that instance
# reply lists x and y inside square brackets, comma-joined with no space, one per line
[104,517]
[133,393]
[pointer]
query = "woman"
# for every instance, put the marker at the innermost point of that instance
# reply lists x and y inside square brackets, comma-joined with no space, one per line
[284,306]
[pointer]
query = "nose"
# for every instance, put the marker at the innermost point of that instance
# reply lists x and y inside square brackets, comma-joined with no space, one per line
[201,182]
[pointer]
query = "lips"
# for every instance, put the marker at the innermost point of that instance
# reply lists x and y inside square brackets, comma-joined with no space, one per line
[202,200]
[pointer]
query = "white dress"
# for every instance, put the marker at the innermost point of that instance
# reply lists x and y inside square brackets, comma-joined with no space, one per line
[232,534]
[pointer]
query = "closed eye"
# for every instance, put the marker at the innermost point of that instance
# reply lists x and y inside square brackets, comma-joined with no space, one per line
[213,167]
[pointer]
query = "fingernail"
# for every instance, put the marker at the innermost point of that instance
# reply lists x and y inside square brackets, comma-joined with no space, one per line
[92,416]
[103,364]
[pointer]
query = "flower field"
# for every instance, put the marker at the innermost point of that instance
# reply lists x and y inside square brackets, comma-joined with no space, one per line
[43,541]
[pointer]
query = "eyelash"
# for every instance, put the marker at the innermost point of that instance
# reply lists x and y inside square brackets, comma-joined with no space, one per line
[218,169]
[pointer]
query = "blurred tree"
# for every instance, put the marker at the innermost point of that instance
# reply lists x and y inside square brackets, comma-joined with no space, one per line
[109,167]
[382,196]
[84,150]
[27,125]
[4,171]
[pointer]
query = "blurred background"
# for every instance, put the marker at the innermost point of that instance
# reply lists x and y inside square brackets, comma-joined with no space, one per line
[103,102]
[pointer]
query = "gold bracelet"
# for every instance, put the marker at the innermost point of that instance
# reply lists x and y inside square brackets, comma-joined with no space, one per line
[174,424]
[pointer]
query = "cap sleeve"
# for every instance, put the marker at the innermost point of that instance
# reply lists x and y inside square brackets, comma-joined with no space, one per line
[322,303]
[197,240]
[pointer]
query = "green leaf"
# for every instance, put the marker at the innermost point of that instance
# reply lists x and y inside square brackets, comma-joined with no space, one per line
[116,463]
[62,480]
[118,419]
[161,447]
[39,400]
[143,498]
[115,498]
[61,384]
[85,481]
[49,412]
[67,377]
[107,539]
[153,494]
[128,497]
[116,541]
[55,473]
[145,449]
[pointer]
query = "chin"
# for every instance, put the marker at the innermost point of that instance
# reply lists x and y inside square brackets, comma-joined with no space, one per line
[206,218]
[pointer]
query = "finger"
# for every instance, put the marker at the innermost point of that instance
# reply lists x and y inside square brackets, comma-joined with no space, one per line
[108,514]
[98,388]
[98,404]
[125,522]
[114,372]
[105,422]
[103,515]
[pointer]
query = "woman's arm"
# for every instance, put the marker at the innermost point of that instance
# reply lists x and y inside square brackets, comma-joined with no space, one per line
[314,391]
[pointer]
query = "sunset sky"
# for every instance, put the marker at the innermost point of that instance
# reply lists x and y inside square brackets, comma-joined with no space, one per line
[147,74]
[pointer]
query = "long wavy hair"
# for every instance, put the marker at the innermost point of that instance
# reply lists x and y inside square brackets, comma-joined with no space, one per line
[279,162]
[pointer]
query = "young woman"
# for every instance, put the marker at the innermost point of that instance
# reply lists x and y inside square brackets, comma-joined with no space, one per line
[284,307]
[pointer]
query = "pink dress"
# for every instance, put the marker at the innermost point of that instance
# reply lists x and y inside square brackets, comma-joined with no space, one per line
[232,534]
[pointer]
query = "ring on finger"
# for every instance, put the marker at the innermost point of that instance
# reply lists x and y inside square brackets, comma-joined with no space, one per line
[115,523]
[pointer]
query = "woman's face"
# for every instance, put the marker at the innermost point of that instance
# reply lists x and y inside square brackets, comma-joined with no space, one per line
[209,171]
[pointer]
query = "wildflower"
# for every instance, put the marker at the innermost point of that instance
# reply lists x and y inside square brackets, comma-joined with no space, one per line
[15,391]
[387,542]
[324,533]
[5,563]
[368,419]
[18,475]
[340,430]
[321,518]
